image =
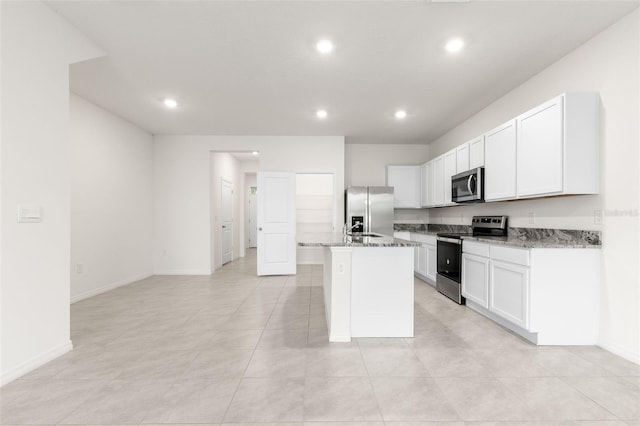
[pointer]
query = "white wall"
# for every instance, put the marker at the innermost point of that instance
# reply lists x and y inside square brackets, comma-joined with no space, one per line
[607,64]
[182,187]
[111,200]
[366,165]
[37,48]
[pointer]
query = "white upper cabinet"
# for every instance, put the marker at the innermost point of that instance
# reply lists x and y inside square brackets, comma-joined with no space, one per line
[438,188]
[450,160]
[426,185]
[549,150]
[557,147]
[406,186]
[476,153]
[500,162]
[462,157]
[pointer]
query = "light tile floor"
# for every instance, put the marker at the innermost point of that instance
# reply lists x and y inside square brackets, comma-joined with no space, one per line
[235,348]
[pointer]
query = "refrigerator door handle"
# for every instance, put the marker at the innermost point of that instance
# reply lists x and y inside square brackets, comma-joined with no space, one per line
[367,226]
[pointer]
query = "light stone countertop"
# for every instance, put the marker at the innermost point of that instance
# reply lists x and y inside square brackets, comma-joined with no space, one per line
[516,241]
[329,239]
[519,237]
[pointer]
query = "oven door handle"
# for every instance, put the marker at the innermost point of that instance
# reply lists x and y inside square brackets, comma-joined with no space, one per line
[450,240]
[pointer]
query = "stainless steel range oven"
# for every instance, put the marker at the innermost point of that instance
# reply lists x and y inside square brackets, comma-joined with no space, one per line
[449,263]
[449,253]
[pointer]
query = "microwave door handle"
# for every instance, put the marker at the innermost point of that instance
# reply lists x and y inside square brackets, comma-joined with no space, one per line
[471,178]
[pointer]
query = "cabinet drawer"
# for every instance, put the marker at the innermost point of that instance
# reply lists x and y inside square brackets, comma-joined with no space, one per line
[423,238]
[479,249]
[510,254]
[402,235]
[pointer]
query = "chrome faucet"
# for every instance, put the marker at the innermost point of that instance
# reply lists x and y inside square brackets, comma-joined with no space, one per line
[348,228]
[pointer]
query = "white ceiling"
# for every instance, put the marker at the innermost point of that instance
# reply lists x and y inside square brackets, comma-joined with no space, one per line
[250,67]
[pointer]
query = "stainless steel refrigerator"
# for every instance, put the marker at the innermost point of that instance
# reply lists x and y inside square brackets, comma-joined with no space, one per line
[372,206]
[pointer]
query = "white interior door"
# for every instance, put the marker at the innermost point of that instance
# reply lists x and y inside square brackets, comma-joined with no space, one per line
[227,221]
[276,223]
[253,217]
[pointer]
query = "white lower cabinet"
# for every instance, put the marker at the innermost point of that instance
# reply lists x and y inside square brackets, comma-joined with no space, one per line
[425,256]
[547,295]
[475,279]
[509,292]
[431,261]
[420,260]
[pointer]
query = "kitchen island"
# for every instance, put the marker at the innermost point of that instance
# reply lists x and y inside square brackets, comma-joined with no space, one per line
[368,285]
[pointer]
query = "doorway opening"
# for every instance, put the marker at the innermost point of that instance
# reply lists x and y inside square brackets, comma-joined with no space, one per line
[228,174]
[252,208]
[315,211]
[226,208]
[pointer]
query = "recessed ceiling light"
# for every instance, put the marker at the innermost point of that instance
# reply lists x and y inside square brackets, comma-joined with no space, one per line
[401,114]
[324,46]
[255,152]
[170,103]
[454,45]
[321,114]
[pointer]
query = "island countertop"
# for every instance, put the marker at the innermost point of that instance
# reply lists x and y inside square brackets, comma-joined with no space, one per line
[330,239]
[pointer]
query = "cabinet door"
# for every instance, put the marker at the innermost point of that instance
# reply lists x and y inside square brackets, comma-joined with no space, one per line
[424,185]
[431,183]
[431,262]
[540,150]
[438,188]
[500,163]
[509,292]
[422,259]
[462,158]
[476,153]
[416,259]
[475,279]
[449,170]
[406,185]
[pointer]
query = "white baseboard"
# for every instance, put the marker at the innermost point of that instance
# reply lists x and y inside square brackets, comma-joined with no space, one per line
[625,353]
[182,272]
[35,362]
[110,286]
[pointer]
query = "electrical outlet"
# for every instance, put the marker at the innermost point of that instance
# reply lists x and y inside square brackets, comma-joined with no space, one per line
[532,218]
[597,217]
[79,268]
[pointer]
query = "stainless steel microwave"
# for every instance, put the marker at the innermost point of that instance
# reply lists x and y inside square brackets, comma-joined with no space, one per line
[468,187]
